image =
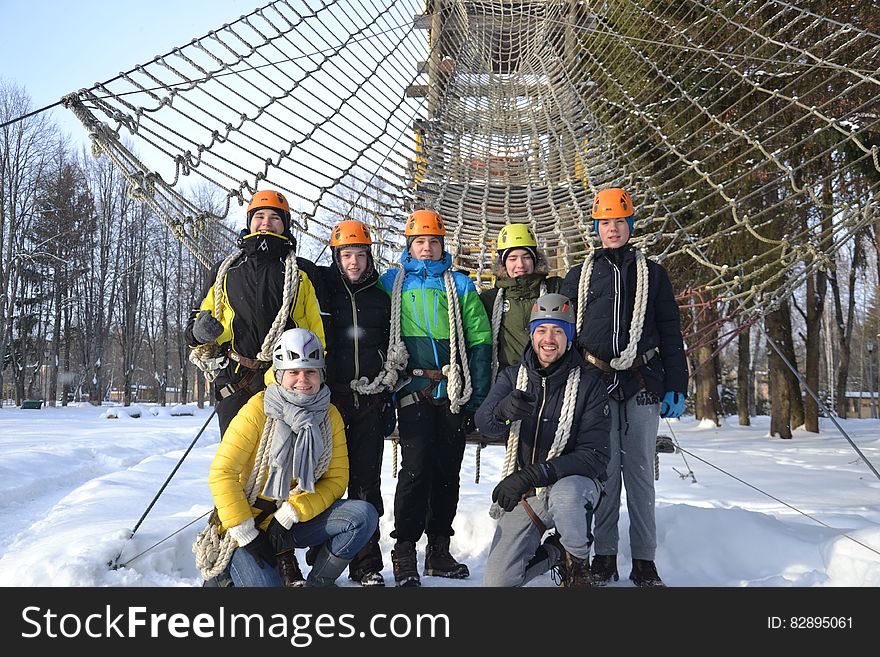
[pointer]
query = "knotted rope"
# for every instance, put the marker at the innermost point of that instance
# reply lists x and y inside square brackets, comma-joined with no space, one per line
[457,371]
[208,357]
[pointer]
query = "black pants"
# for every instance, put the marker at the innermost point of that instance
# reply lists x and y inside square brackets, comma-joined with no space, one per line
[229,407]
[432,447]
[366,443]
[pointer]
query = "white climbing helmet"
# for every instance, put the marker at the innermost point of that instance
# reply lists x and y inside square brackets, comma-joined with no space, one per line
[298,349]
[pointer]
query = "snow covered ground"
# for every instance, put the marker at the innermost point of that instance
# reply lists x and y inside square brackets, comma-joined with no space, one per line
[735,508]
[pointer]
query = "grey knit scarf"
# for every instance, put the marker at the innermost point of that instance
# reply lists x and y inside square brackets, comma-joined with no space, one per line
[300,439]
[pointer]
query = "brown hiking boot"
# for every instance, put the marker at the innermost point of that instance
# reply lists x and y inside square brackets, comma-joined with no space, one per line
[440,563]
[403,562]
[288,569]
[577,573]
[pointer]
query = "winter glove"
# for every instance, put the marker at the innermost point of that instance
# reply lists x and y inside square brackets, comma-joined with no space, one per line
[261,550]
[468,424]
[279,538]
[206,328]
[510,490]
[517,405]
[672,404]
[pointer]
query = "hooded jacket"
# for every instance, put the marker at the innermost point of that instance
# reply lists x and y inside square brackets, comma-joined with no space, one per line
[234,461]
[424,324]
[520,294]
[253,289]
[608,313]
[588,449]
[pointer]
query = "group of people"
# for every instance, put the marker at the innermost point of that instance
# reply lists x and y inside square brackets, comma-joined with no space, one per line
[315,365]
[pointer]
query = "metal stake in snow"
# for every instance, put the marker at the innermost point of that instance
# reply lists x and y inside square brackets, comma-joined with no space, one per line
[114,563]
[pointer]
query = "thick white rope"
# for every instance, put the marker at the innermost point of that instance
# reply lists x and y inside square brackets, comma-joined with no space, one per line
[626,358]
[207,357]
[560,440]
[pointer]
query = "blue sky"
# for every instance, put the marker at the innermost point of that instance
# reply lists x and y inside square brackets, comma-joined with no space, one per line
[52,47]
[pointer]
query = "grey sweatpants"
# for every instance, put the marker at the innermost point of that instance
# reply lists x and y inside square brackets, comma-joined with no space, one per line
[568,507]
[634,425]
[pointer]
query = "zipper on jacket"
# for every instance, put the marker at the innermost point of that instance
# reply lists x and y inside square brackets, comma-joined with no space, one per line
[357,358]
[540,412]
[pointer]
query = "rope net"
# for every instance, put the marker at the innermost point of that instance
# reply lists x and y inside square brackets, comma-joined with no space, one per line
[746,132]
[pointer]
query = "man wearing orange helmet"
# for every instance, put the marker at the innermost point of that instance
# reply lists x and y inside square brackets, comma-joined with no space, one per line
[359,314]
[440,325]
[629,328]
[249,299]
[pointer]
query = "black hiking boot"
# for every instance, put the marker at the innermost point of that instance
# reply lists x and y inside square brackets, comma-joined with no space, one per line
[604,569]
[367,577]
[440,563]
[551,550]
[288,569]
[403,561]
[577,572]
[644,574]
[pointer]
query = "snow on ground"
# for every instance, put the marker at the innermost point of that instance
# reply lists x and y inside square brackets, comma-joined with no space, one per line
[735,508]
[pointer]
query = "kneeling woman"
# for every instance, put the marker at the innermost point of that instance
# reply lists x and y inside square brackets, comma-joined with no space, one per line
[288,445]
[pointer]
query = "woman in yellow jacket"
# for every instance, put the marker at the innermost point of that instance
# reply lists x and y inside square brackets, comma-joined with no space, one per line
[280,472]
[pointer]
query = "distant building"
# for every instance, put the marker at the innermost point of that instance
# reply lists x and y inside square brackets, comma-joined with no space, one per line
[858,405]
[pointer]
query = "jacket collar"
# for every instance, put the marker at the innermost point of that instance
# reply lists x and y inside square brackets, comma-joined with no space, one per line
[425,268]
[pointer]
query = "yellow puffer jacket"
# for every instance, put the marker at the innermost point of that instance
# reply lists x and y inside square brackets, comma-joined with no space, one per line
[234,461]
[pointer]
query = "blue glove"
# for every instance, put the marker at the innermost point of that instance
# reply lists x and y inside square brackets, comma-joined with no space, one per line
[672,404]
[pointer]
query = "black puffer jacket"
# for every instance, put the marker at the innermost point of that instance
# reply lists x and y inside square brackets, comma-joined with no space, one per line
[587,451]
[252,294]
[358,327]
[608,314]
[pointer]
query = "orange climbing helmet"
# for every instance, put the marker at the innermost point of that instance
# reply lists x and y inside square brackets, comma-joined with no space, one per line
[424,222]
[613,203]
[350,232]
[271,200]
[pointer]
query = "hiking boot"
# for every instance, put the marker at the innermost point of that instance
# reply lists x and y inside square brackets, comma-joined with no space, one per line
[440,563]
[403,561]
[369,579]
[288,569]
[577,572]
[644,574]
[555,559]
[604,569]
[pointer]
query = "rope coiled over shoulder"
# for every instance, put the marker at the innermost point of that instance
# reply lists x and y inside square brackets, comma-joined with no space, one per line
[457,371]
[560,439]
[626,358]
[208,357]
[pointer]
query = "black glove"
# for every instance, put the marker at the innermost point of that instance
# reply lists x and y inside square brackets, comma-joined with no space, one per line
[261,550]
[510,490]
[468,424]
[279,538]
[517,405]
[206,328]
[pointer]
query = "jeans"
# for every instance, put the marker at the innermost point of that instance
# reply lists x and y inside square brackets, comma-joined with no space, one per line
[568,507]
[345,527]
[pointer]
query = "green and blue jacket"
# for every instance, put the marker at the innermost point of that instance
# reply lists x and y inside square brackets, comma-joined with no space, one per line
[424,324]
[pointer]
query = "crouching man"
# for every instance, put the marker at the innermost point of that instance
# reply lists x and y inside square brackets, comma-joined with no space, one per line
[554,413]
